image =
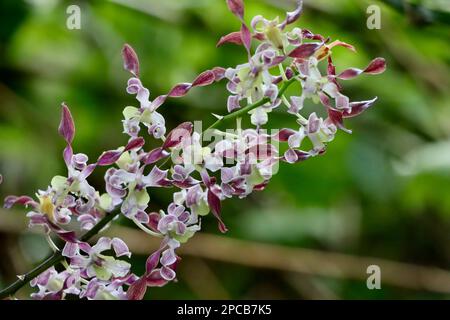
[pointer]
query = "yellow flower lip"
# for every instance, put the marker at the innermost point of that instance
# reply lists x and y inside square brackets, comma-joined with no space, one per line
[46,207]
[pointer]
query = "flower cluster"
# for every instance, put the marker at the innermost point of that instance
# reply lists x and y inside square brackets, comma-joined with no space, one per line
[237,163]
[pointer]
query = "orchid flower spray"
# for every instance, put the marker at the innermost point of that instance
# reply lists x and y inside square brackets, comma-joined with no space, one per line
[200,173]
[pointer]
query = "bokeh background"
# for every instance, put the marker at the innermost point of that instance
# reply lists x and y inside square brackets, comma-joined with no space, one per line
[380,196]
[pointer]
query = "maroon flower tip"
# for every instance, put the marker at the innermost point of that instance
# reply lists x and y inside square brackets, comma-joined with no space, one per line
[236,7]
[246,37]
[66,127]
[22,200]
[358,107]
[204,79]
[233,37]
[293,16]
[109,157]
[130,60]
[152,261]
[283,135]
[137,290]
[376,66]
[336,118]
[305,51]
[216,208]
[179,90]
[175,136]
[155,155]
[135,143]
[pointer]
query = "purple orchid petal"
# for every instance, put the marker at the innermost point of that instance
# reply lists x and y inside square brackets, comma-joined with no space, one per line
[92,288]
[204,79]
[143,96]
[68,236]
[313,123]
[87,171]
[233,103]
[337,119]
[163,224]
[38,219]
[43,278]
[167,273]
[130,60]
[193,195]
[22,200]
[142,217]
[245,168]
[283,135]
[155,155]
[219,73]
[66,127]
[102,244]
[134,85]
[67,155]
[306,50]
[168,257]
[236,7]
[154,218]
[176,136]
[154,279]
[214,204]
[376,66]
[70,249]
[109,157]
[356,108]
[233,37]
[135,143]
[179,90]
[137,290]
[227,190]
[290,156]
[155,177]
[311,36]
[246,37]
[293,16]
[157,102]
[84,246]
[87,221]
[206,178]
[294,156]
[120,248]
[152,261]
[226,174]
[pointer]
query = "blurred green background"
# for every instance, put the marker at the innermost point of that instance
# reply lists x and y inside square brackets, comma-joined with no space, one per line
[379,196]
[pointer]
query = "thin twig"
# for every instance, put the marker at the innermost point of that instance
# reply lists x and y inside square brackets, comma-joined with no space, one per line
[53,259]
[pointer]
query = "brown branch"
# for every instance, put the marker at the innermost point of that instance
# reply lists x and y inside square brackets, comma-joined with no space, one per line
[307,261]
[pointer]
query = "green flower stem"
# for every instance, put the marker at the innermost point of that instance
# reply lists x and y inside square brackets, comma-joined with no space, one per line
[243,111]
[53,259]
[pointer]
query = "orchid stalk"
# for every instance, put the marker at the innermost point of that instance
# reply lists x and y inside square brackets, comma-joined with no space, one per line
[201,174]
